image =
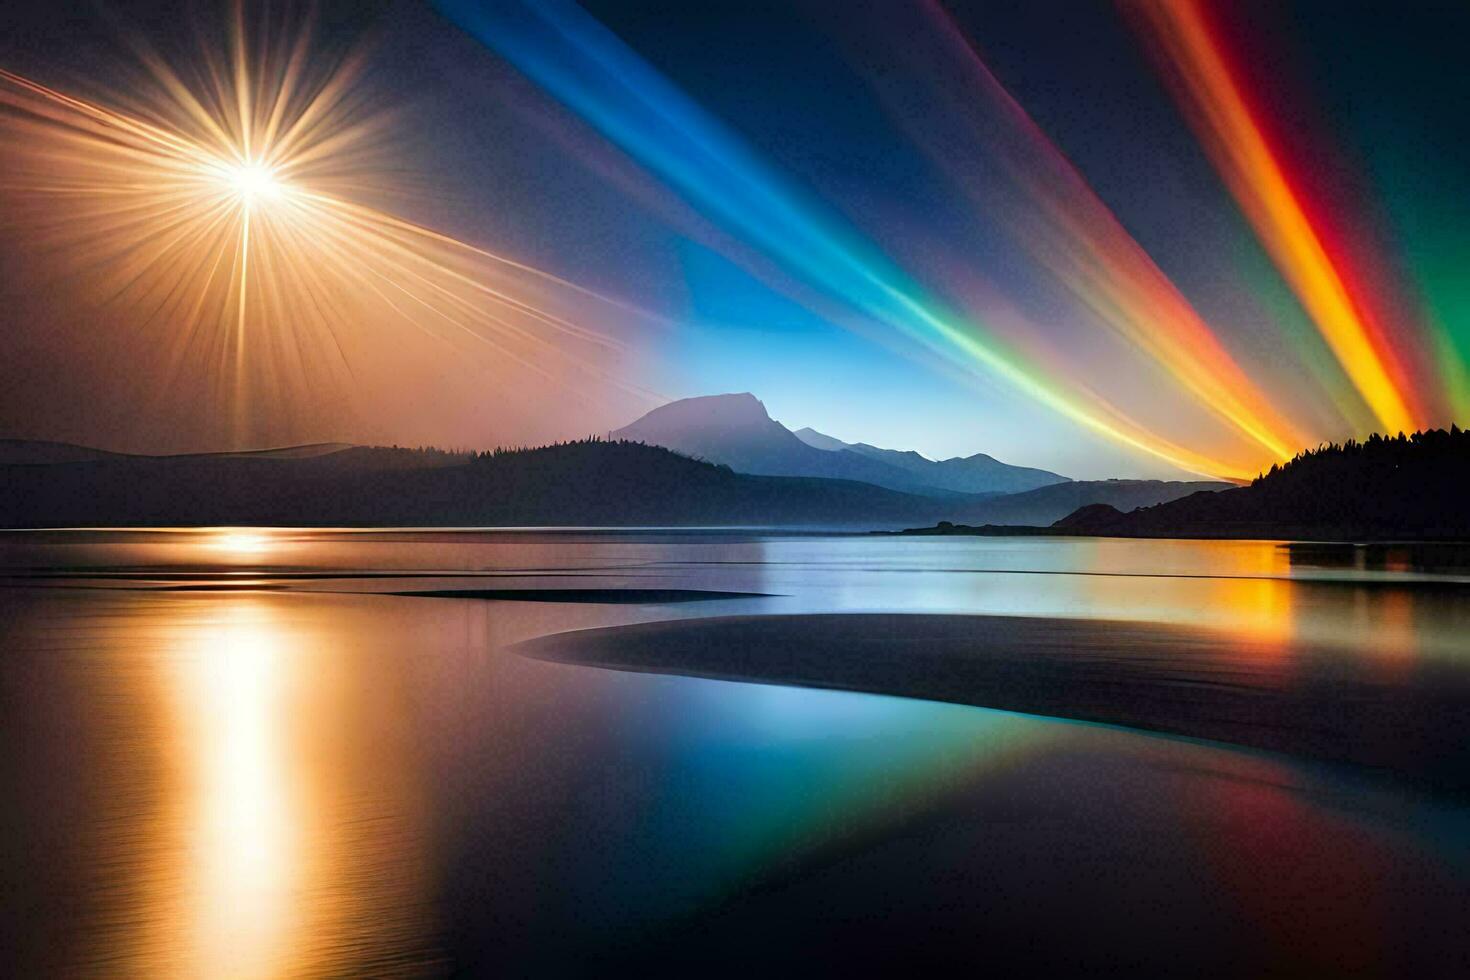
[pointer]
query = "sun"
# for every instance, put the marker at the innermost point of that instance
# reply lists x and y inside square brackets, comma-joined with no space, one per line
[253,182]
[217,210]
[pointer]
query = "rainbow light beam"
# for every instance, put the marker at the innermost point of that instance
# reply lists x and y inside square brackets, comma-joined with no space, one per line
[1216,108]
[589,69]
[1063,224]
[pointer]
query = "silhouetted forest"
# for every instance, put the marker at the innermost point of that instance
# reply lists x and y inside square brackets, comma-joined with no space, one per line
[1412,487]
[584,482]
[1432,451]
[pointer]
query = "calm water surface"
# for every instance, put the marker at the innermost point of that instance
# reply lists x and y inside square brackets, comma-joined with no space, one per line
[227,753]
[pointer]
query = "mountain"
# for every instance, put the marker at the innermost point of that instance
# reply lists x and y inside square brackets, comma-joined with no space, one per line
[1407,487]
[962,474]
[737,431]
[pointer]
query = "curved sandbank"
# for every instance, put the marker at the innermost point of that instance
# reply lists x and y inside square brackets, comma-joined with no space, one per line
[656,597]
[1411,718]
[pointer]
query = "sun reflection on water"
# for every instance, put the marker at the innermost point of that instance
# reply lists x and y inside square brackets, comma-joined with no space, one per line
[288,849]
[237,542]
[245,872]
[275,782]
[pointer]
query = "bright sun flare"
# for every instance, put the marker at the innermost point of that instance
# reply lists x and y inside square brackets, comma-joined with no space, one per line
[220,225]
[253,182]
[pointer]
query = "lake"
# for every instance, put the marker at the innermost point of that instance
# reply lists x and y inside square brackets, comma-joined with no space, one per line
[247,752]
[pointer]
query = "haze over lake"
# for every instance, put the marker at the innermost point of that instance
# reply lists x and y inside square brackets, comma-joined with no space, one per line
[241,757]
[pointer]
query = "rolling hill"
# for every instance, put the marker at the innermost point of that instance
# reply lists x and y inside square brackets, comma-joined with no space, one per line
[586,483]
[1043,505]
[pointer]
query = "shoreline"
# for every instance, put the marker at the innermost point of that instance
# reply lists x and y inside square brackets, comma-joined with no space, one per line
[1309,700]
[1250,532]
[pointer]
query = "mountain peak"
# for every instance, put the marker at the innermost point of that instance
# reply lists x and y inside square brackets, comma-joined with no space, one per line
[721,428]
[725,411]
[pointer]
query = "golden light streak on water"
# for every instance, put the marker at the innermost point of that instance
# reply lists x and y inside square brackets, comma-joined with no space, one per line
[276,847]
[238,542]
[248,819]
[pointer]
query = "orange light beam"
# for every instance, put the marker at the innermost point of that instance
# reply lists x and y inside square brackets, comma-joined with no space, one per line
[1236,145]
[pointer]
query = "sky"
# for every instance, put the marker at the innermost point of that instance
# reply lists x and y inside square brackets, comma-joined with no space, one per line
[1131,239]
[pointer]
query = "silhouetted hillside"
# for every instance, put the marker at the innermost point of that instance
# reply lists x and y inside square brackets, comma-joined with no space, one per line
[1044,505]
[583,483]
[1403,487]
[30,451]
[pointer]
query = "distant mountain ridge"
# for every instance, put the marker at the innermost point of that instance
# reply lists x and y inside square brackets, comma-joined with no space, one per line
[40,451]
[818,440]
[736,430]
[979,473]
